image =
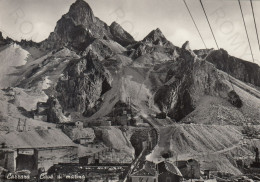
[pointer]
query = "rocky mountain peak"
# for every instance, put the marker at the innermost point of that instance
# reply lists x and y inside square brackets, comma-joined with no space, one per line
[186,46]
[120,35]
[158,30]
[156,37]
[115,25]
[79,27]
[81,13]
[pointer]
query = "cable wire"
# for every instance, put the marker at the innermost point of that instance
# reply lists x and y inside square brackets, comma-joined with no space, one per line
[194,22]
[227,68]
[246,30]
[252,7]
[209,23]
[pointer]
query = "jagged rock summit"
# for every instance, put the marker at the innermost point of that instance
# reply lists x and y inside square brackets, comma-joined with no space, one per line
[186,46]
[120,35]
[81,13]
[155,37]
[79,27]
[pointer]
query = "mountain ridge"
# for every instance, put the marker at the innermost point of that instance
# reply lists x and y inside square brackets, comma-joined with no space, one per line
[81,20]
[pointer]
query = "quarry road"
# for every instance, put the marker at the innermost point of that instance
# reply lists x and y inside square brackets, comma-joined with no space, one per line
[225,150]
[239,144]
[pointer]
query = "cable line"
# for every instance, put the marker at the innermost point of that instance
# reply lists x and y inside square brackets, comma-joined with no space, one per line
[227,68]
[209,23]
[246,29]
[194,23]
[252,7]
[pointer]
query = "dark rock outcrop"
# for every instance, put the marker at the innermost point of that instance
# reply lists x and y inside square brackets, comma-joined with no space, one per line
[234,99]
[4,41]
[202,53]
[186,46]
[67,33]
[120,35]
[55,112]
[83,84]
[243,70]
[173,97]
[1,36]
[81,13]
[187,80]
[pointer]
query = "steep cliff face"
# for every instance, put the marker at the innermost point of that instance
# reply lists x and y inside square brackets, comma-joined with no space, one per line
[173,97]
[202,53]
[187,80]
[243,70]
[55,112]
[67,32]
[83,84]
[81,13]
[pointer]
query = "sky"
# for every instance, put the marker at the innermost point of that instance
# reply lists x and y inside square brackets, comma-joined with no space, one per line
[35,19]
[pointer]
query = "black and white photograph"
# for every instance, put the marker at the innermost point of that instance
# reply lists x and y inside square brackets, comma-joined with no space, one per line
[129,90]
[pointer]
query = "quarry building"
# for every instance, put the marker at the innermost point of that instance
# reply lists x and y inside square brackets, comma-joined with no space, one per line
[161,172]
[35,154]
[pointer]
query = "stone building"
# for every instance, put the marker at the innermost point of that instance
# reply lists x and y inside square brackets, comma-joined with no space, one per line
[37,149]
[168,172]
[161,172]
[122,114]
[147,173]
[33,159]
[190,169]
[70,125]
[7,159]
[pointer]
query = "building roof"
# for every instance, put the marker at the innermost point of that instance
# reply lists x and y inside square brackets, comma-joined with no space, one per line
[168,167]
[36,139]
